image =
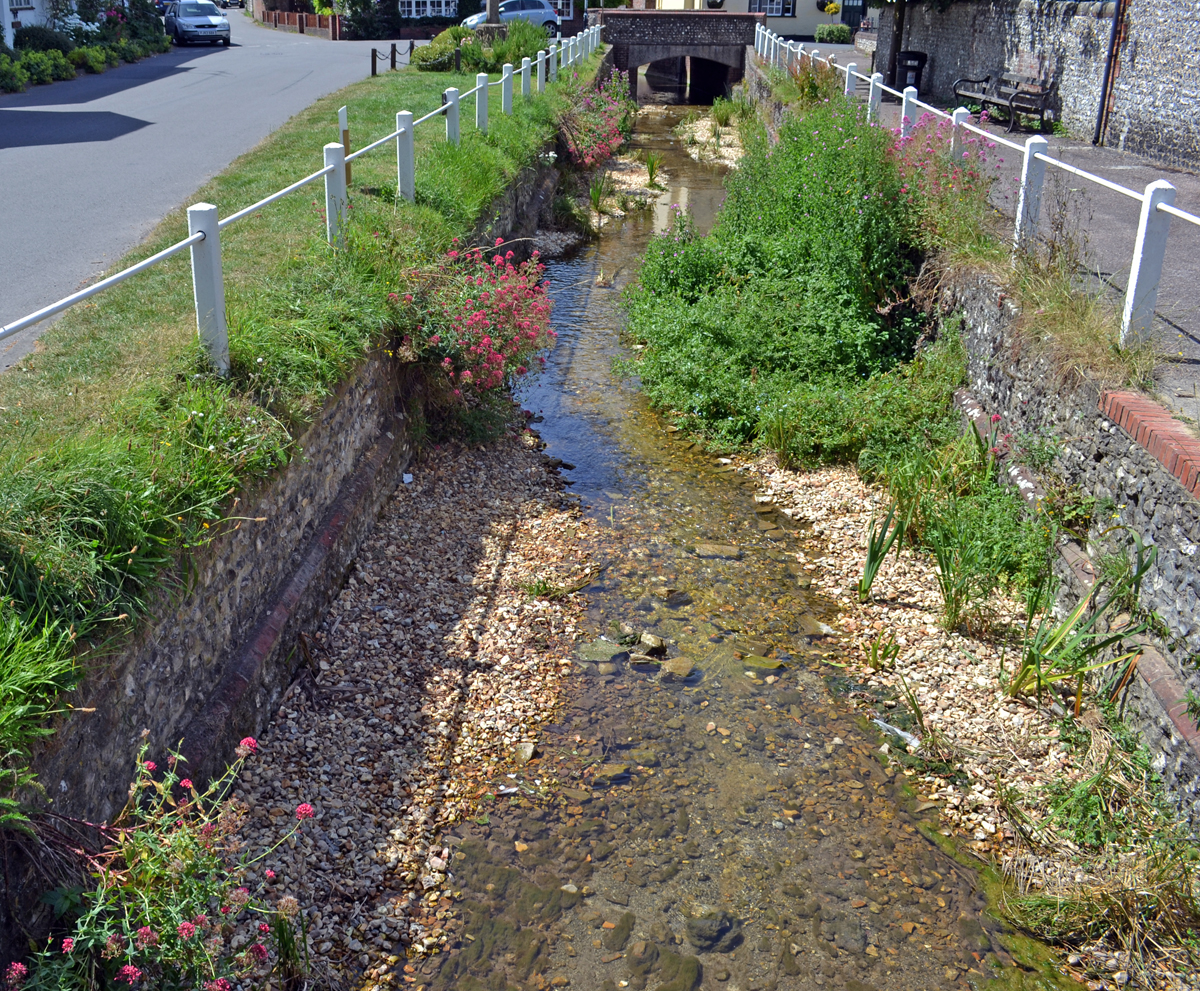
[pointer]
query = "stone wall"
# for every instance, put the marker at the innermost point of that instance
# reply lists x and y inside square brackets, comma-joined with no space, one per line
[1064,43]
[1106,452]
[1155,107]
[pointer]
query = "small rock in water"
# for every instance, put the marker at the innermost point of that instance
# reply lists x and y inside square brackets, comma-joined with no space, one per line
[607,667]
[653,644]
[569,889]
[710,727]
[677,669]
[726,552]
[642,659]
[524,752]
[761,663]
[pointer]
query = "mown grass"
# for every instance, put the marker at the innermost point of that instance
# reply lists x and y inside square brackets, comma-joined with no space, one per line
[120,450]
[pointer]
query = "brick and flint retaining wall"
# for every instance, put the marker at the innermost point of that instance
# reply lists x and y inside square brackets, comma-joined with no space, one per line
[1143,469]
[1155,102]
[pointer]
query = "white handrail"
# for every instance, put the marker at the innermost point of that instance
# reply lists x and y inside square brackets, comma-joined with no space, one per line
[76,297]
[335,174]
[1146,265]
[1174,211]
[245,212]
[375,144]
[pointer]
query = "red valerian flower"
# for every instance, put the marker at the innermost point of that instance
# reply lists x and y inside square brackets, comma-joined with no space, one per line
[304,811]
[145,937]
[263,928]
[129,974]
[186,783]
[186,931]
[68,944]
[150,766]
[259,952]
[16,974]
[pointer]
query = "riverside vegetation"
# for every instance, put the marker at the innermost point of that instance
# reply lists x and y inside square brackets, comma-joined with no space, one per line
[834,237]
[123,452]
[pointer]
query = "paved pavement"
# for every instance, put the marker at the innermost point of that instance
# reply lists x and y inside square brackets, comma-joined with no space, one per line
[90,166]
[1105,224]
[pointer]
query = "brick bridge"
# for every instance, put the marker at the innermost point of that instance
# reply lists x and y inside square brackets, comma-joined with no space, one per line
[715,41]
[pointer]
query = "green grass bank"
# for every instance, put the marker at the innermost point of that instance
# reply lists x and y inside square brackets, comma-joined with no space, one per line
[122,452]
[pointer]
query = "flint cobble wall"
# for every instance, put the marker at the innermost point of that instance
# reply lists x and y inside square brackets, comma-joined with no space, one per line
[1133,489]
[1064,43]
[1154,109]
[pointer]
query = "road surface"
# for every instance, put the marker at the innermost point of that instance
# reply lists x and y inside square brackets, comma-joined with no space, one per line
[91,165]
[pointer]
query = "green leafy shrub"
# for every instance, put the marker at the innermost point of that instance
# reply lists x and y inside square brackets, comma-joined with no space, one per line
[37,38]
[39,66]
[13,76]
[93,58]
[832,34]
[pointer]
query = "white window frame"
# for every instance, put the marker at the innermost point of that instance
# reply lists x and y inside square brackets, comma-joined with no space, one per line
[564,9]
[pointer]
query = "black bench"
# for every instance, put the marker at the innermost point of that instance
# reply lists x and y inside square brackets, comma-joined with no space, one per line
[1016,93]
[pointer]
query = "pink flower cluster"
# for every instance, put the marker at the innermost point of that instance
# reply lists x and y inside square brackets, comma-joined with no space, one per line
[486,319]
[928,170]
[593,127]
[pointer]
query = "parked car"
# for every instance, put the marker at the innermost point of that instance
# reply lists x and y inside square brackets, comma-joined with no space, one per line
[196,20]
[231,3]
[539,12]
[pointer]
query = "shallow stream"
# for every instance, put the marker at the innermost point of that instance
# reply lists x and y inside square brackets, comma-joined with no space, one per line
[727,828]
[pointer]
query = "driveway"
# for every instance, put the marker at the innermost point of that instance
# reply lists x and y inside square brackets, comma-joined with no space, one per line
[90,166]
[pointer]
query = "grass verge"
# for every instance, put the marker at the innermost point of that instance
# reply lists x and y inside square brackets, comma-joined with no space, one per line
[121,451]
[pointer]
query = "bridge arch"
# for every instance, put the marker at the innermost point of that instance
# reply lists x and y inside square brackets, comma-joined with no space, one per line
[712,40]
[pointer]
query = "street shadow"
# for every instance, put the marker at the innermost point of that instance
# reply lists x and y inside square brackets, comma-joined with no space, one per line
[33,128]
[86,88]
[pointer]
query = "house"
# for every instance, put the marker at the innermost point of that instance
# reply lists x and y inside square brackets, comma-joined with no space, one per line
[21,13]
[796,20]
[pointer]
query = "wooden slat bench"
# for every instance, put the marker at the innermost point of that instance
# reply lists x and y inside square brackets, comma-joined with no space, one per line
[1016,93]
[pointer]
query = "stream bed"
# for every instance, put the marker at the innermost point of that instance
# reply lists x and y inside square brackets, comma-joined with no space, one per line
[706,812]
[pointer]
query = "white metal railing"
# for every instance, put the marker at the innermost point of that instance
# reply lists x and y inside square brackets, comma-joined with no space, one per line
[1157,199]
[204,226]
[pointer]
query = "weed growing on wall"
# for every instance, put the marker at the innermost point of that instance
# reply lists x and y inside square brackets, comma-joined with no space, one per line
[166,891]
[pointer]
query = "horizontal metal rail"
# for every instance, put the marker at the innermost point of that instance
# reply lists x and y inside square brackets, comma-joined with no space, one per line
[1174,211]
[112,280]
[226,221]
[1116,187]
[432,113]
[375,144]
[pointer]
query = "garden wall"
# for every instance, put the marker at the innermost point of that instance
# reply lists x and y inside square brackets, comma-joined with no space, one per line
[211,663]
[1062,42]
[1154,108]
[1143,469]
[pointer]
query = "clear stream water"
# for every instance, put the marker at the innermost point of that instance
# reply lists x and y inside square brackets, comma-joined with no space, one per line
[771,852]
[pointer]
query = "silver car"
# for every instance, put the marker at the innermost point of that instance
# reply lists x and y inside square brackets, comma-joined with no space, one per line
[196,20]
[539,12]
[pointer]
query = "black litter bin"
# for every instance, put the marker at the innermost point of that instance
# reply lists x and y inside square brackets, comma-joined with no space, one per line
[910,66]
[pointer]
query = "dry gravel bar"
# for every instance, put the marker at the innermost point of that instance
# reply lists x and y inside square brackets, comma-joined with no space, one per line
[430,670]
[999,742]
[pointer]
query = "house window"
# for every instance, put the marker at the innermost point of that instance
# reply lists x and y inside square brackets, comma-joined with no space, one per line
[774,8]
[428,8]
[564,8]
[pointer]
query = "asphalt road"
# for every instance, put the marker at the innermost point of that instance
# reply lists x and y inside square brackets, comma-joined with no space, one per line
[91,165]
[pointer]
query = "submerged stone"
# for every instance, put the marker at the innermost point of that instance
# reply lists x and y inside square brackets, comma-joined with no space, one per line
[727,552]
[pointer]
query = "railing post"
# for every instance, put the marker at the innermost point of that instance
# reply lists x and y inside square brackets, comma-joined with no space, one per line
[506,89]
[208,285]
[452,115]
[344,126]
[406,165]
[908,110]
[525,64]
[1141,295]
[957,119]
[851,82]
[813,56]
[758,39]
[481,101]
[541,71]
[335,193]
[875,95]
[393,56]
[1033,171]
[374,56]
[554,61]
